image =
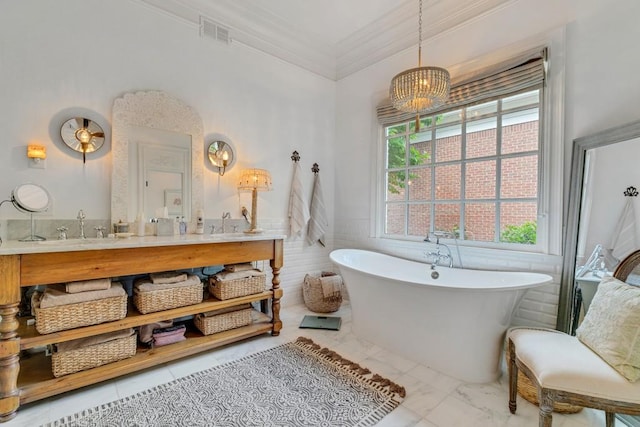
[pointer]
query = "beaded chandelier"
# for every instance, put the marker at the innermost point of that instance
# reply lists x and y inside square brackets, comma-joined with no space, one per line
[420,89]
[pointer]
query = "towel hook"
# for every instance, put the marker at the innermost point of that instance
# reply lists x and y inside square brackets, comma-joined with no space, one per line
[631,192]
[295,157]
[315,168]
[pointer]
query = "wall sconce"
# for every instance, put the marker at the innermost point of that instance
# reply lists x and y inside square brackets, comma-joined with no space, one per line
[36,155]
[254,180]
[82,135]
[220,155]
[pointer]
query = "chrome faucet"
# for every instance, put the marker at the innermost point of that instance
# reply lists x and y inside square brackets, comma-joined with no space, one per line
[62,233]
[437,256]
[225,215]
[99,232]
[81,217]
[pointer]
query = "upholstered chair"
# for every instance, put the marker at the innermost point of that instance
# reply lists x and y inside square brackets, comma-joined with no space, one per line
[599,367]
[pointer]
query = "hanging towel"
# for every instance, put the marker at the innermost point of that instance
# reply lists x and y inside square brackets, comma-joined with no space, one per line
[298,210]
[318,223]
[624,235]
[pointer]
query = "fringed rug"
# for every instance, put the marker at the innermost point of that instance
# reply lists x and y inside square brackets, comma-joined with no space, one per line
[295,384]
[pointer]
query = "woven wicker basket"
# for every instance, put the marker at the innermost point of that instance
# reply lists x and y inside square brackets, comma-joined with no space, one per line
[223,320]
[227,289]
[80,359]
[69,316]
[313,297]
[164,299]
[528,391]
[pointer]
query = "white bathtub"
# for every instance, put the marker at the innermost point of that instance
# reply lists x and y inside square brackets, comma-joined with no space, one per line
[454,324]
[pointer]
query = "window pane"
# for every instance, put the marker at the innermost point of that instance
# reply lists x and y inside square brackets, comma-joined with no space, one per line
[419,184]
[395,219]
[519,177]
[481,138]
[480,180]
[520,131]
[480,222]
[419,219]
[396,186]
[420,148]
[521,100]
[396,152]
[482,109]
[450,117]
[448,144]
[447,217]
[448,182]
[397,129]
[518,222]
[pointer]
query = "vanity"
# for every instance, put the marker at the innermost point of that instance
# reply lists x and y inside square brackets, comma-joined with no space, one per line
[29,378]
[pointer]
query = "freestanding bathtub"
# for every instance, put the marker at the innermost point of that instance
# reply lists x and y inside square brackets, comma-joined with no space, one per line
[454,324]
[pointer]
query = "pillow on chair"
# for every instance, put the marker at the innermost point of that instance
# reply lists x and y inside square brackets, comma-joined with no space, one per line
[611,327]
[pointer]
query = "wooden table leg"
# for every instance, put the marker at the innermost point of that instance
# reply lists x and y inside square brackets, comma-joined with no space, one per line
[9,340]
[276,264]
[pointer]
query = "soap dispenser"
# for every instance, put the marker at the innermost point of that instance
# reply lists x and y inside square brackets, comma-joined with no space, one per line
[200,222]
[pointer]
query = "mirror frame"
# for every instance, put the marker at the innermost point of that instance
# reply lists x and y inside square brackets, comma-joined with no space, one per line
[580,147]
[157,110]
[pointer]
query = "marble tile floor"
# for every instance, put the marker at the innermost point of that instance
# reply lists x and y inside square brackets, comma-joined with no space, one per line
[433,399]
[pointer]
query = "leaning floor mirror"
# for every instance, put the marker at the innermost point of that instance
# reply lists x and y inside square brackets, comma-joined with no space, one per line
[601,223]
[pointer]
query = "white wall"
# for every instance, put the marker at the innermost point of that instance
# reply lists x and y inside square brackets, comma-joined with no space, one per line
[53,66]
[596,40]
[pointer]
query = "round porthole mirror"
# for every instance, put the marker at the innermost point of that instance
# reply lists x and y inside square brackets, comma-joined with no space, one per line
[220,155]
[82,135]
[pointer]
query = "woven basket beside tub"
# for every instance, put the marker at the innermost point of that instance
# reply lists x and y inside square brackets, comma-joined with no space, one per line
[80,359]
[314,298]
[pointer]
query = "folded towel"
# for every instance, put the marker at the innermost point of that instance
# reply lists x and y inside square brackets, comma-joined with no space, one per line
[56,295]
[239,267]
[298,209]
[145,285]
[331,286]
[167,277]
[169,335]
[146,331]
[318,223]
[88,285]
[228,275]
[94,340]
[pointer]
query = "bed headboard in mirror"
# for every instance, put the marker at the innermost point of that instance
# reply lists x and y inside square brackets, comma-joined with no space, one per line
[142,121]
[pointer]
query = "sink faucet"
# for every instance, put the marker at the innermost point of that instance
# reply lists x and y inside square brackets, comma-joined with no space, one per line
[81,217]
[437,256]
[99,232]
[225,215]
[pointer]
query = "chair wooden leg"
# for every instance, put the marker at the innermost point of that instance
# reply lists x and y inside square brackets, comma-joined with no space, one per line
[546,408]
[609,419]
[513,376]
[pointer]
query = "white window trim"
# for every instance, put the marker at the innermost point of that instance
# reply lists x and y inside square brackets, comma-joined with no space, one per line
[550,207]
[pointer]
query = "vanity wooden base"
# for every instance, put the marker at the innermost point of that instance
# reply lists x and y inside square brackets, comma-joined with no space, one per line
[30,379]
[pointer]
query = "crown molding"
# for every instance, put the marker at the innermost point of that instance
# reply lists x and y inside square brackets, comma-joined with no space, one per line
[259,28]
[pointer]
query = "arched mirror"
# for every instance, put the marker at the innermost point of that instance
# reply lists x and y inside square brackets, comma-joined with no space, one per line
[221,156]
[31,198]
[596,201]
[158,153]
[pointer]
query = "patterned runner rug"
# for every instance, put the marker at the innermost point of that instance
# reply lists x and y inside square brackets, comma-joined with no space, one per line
[295,384]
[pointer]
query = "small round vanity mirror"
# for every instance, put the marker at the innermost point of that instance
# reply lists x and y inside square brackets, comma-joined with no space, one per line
[220,155]
[82,135]
[30,198]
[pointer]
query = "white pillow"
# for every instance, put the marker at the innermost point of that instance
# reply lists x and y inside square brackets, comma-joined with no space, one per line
[611,327]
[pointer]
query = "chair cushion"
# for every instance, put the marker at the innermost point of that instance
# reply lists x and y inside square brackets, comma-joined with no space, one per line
[561,362]
[611,327]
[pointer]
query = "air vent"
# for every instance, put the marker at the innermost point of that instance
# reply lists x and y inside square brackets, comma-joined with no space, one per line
[213,30]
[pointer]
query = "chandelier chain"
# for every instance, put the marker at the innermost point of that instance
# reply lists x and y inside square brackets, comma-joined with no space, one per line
[420,34]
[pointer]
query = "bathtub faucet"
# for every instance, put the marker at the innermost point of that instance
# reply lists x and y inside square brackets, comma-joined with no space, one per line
[438,256]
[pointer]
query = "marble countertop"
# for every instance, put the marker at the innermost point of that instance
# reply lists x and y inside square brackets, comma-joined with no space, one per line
[14,247]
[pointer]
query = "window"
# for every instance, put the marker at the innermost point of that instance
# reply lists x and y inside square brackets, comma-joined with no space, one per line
[472,171]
